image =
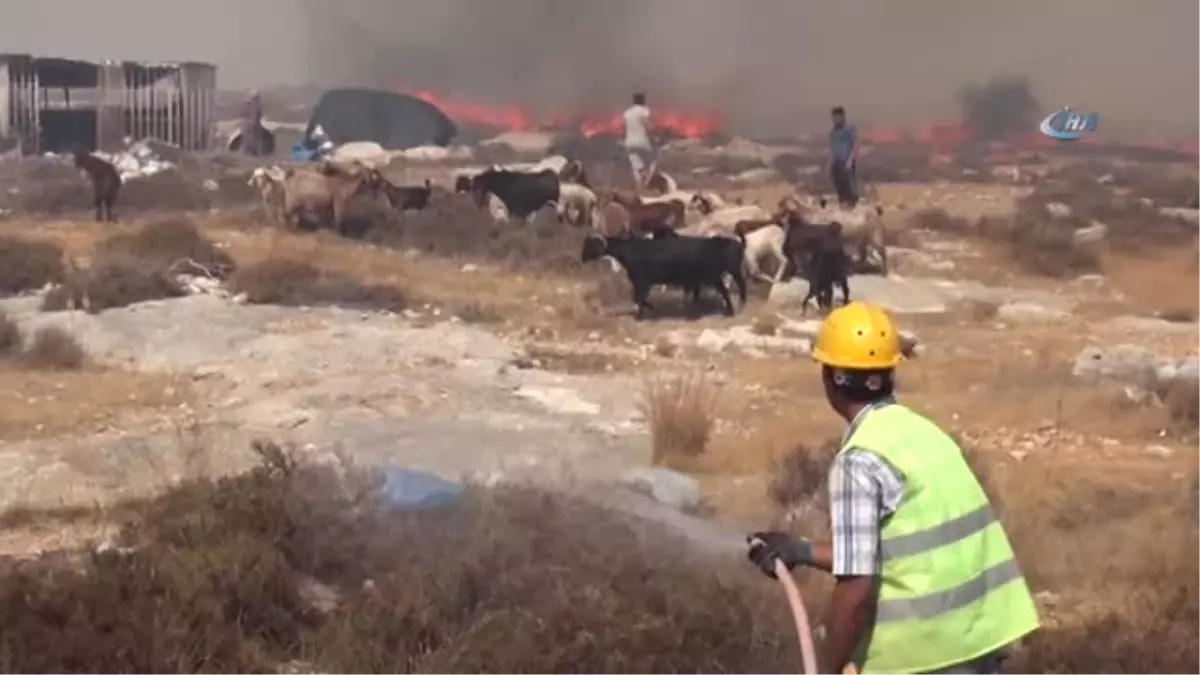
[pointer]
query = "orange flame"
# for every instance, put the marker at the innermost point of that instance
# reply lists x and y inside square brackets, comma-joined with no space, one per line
[515,118]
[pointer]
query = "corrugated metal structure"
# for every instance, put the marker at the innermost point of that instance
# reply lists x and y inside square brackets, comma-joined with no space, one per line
[55,105]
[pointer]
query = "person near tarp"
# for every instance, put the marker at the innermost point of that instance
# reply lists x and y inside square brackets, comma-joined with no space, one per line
[843,158]
[926,580]
[252,141]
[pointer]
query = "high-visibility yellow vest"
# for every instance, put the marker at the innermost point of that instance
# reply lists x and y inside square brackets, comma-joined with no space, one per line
[950,589]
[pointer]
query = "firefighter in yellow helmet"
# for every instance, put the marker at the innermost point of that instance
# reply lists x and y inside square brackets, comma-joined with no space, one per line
[926,581]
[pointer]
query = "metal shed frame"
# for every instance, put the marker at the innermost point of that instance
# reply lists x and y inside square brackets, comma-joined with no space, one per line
[50,104]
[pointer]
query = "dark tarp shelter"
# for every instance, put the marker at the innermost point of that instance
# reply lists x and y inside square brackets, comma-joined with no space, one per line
[394,121]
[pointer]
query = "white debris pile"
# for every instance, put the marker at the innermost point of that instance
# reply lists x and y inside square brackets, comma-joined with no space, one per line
[143,158]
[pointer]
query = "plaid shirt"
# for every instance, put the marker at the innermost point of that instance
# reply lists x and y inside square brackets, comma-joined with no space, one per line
[863,491]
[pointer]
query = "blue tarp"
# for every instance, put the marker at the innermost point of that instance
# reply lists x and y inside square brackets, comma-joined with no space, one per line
[409,490]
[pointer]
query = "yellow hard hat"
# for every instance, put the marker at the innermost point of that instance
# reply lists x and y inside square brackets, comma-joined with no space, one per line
[858,336]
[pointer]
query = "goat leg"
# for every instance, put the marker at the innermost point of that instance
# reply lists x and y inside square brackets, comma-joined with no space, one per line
[641,294]
[719,284]
[741,285]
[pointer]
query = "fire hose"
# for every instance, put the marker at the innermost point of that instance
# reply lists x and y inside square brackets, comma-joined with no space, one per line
[800,615]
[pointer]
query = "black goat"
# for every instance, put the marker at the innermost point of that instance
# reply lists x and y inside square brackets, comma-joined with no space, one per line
[825,263]
[106,183]
[408,197]
[523,194]
[690,263]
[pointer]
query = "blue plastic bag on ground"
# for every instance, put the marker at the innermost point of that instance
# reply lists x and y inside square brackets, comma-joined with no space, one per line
[415,490]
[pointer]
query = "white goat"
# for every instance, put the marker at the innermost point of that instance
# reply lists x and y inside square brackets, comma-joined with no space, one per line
[763,242]
[723,221]
[269,182]
[576,204]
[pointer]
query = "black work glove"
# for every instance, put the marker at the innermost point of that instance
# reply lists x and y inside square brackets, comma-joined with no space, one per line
[767,547]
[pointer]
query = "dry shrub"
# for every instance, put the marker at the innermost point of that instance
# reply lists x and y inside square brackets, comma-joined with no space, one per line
[27,265]
[1178,315]
[282,281]
[171,244]
[1044,246]
[55,349]
[981,310]
[10,337]
[113,281]
[1182,400]
[800,477]
[938,220]
[454,226]
[220,577]
[680,412]
[478,312]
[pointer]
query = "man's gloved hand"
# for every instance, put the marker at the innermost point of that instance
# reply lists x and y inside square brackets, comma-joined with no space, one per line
[767,547]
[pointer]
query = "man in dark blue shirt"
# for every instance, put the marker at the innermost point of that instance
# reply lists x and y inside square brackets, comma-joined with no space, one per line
[843,151]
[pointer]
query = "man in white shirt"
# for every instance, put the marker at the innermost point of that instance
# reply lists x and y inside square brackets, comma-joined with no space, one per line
[637,139]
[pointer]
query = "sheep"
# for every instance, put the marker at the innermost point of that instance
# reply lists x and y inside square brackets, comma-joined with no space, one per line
[690,263]
[706,202]
[327,187]
[763,239]
[862,226]
[649,217]
[269,182]
[723,220]
[576,204]
[106,183]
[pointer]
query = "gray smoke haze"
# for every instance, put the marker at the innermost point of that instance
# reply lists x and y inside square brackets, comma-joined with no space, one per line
[778,64]
[766,64]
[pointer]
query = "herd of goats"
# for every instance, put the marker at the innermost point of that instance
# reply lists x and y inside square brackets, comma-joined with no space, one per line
[670,237]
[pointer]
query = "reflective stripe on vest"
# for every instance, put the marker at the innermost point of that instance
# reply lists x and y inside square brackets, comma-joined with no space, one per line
[938,535]
[950,589]
[941,602]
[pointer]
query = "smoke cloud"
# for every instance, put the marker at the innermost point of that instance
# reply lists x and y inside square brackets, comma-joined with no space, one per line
[777,64]
[768,65]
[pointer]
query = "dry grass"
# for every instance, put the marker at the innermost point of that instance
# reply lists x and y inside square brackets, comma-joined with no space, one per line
[479,313]
[112,282]
[283,281]
[170,244]
[132,267]
[283,568]
[27,265]
[799,479]
[939,220]
[680,413]
[1044,245]
[453,227]
[47,403]
[1178,315]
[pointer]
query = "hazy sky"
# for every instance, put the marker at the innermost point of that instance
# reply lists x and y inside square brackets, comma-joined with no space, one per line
[760,61]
